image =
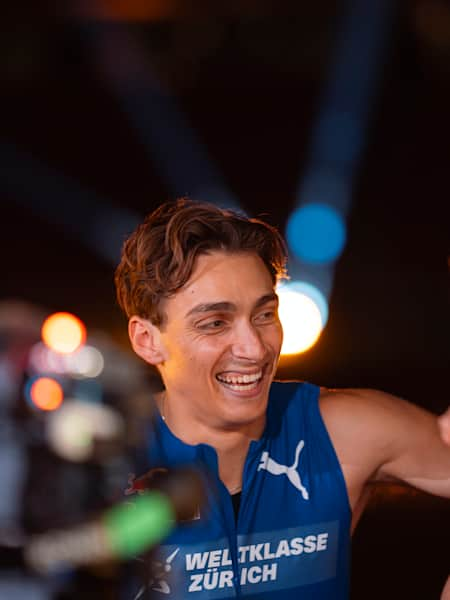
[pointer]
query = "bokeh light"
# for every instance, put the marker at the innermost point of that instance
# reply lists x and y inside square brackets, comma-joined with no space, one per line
[88,361]
[63,332]
[73,430]
[310,290]
[44,393]
[43,359]
[301,319]
[316,233]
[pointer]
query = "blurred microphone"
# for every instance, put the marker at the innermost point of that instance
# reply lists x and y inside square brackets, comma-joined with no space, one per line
[121,533]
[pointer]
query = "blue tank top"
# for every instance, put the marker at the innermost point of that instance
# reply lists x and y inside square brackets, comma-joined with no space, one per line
[292,536]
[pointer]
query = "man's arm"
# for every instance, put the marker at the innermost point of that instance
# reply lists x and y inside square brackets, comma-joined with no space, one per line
[379,437]
[446,591]
[444,426]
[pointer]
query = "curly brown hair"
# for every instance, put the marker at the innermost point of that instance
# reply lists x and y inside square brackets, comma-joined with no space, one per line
[159,256]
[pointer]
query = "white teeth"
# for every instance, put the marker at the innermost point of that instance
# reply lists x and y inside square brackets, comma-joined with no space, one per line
[238,388]
[236,382]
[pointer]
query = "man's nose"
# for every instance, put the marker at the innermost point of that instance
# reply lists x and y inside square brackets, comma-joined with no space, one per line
[248,343]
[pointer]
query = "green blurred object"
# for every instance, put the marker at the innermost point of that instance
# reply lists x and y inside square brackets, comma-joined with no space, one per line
[134,527]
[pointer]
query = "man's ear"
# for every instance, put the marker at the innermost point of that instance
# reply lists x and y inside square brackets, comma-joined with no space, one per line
[146,340]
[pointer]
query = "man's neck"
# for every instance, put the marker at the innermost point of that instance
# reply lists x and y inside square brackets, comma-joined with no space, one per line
[231,443]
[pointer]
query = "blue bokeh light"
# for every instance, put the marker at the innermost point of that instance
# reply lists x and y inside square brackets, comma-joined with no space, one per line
[316,233]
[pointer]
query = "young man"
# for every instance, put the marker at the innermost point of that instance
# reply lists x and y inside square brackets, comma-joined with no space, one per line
[288,464]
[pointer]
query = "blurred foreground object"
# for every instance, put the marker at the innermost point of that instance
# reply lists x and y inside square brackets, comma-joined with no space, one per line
[72,429]
[121,533]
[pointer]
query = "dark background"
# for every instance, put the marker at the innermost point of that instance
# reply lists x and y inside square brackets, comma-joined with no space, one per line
[248,78]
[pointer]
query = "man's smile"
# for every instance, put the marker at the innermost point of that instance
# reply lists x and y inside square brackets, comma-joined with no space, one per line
[240,381]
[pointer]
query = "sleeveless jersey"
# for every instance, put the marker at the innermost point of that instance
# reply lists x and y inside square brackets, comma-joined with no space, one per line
[292,536]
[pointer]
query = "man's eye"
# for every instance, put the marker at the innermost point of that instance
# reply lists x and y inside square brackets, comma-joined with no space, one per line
[267,316]
[211,325]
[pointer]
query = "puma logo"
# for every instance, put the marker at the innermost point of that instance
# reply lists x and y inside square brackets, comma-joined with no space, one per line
[275,468]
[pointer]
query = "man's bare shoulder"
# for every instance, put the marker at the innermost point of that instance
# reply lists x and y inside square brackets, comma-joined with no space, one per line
[378,437]
[363,411]
[356,420]
[365,418]
[348,407]
[362,398]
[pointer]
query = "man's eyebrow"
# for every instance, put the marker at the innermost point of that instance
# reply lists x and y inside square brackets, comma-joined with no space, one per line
[272,297]
[229,306]
[212,307]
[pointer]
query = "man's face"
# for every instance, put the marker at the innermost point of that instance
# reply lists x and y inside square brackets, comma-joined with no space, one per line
[221,342]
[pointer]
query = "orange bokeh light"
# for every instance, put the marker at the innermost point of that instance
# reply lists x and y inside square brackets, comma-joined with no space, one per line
[63,332]
[46,393]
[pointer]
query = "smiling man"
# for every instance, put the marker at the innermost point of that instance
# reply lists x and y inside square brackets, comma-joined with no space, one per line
[288,464]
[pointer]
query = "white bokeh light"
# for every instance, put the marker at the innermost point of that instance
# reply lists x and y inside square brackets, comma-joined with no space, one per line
[87,362]
[301,319]
[73,429]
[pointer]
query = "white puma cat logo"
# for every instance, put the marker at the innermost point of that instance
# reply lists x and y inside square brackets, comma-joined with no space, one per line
[275,468]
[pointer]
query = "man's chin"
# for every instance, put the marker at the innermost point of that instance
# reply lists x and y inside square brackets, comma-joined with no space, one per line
[244,409]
